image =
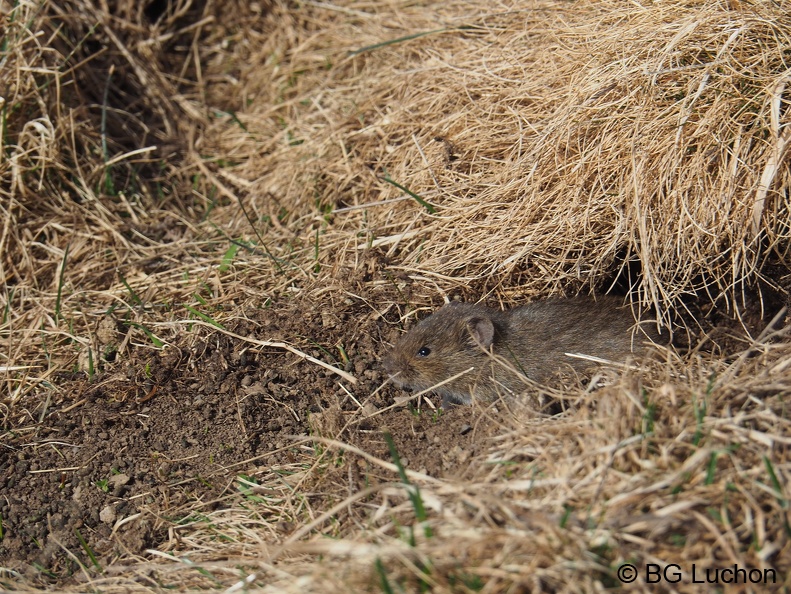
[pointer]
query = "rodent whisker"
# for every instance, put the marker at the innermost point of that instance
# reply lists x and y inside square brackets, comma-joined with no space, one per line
[402,402]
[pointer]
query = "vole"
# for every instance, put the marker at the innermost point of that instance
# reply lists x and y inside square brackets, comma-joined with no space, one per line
[533,340]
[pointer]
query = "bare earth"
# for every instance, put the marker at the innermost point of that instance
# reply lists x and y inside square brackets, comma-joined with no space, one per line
[171,428]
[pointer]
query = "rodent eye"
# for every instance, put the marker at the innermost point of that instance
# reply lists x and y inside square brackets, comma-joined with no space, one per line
[424,352]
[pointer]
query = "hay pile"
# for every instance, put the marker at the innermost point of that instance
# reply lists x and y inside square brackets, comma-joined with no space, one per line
[556,144]
[546,148]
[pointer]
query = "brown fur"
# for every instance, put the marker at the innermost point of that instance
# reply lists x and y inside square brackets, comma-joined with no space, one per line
[532,339]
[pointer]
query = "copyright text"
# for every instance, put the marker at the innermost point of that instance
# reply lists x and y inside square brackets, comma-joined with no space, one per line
[654,573]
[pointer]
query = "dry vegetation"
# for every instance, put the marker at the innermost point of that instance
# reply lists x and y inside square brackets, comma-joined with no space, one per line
[175,165]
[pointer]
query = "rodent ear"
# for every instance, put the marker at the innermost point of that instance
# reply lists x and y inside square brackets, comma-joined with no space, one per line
[482,331]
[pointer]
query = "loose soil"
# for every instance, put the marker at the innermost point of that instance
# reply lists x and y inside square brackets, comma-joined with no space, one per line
[167,433]
[169,428]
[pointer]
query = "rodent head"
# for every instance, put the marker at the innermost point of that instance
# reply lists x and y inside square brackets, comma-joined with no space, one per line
[450,341]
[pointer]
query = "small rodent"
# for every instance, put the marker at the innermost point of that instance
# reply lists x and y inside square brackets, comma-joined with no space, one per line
[532,339]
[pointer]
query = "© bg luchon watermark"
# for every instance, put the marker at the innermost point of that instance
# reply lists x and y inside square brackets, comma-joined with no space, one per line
[654,573]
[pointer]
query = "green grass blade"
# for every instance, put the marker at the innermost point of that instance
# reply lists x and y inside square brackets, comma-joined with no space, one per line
[204,317]
[412,490]
[383,581]
[429,207]
[369,48]
[60,282]
[88,550]
[154,340]
[228,256]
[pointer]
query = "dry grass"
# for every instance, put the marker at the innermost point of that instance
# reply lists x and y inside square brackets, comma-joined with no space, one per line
[558,144]
[580,140]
